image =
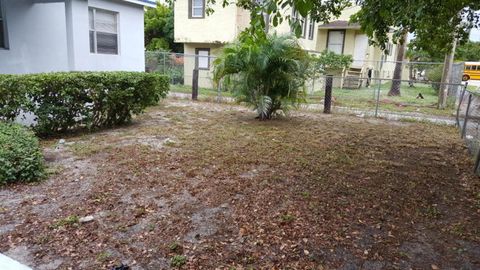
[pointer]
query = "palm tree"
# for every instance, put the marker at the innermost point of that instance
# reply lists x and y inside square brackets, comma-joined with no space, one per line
[266,72]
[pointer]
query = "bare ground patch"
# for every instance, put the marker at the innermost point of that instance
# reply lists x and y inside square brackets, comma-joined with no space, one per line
[208,182]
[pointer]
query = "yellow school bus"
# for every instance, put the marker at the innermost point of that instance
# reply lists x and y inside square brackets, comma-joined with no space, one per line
[472,71]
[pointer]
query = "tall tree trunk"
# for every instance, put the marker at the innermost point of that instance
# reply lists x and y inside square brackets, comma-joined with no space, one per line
[397,73]
[446,76]
[410,76]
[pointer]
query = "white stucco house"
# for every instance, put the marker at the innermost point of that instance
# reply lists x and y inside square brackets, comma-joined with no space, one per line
[72,35]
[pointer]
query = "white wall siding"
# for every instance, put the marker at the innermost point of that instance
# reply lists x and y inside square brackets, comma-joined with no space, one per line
[131,38]
[37,38]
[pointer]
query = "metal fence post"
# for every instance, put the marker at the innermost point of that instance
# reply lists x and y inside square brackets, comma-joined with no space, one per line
[219,92]
[327,103]
[313,84]
[195,84]
[460,104]
[477,163]
[377,99]
[164,60]
[464,129]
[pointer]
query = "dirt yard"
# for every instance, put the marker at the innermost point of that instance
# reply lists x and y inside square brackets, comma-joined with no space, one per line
[206,186]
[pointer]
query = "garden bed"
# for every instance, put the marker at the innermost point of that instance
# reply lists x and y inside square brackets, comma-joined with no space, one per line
[203,186]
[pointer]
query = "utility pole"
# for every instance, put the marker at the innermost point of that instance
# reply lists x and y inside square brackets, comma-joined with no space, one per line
[446,76]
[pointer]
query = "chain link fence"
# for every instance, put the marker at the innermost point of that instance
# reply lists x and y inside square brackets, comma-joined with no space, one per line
[468,122]
[364,89]
[179,67]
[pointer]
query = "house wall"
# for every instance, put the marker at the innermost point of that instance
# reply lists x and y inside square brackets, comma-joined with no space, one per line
[204,76]
[37,38]
[48,37]
[222,26]
[285,29]
[131,38]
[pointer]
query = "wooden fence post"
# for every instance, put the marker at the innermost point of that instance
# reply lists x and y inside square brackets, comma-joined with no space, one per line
[327,102]
[195,84]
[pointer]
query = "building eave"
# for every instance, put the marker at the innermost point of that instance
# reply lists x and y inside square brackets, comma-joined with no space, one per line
[340,25]
[147,3]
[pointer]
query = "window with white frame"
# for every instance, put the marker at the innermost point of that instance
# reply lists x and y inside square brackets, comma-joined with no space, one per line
[311,28]
[103,31]
[303,24]
[197,9]
[3,28]
[336,38]
[203,58]
[389,49]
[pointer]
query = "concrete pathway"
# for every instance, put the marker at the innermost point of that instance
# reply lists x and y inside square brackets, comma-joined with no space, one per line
[7,263]
[474,83]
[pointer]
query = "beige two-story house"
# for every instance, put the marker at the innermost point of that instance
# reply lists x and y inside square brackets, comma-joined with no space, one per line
[205,35]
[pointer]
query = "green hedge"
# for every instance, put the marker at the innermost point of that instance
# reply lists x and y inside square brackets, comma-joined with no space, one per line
[69,100]
[20,155]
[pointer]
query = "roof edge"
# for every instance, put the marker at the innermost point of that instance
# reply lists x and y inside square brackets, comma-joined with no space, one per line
[148,3]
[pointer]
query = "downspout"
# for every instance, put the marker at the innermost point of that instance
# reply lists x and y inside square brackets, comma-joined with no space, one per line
[70,35]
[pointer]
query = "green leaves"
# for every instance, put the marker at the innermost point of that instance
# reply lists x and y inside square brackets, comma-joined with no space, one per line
[159,23]
[268,72]
[280,10]
[264,106]
[20,155]
[65,101]
[435,23]
[329,61]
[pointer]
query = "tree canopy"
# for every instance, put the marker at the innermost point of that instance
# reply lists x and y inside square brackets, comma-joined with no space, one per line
[320,11]
[159,29]
[469,51]
[435,23]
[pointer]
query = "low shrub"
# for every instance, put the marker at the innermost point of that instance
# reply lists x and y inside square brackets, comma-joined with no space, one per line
[434,75]
[21,159]
[68,100]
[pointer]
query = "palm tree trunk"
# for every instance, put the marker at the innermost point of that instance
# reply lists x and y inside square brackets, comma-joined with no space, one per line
[397,73]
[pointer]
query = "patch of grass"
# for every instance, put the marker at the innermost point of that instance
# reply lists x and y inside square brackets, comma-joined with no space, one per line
[178,261]
[432,212]
[54,170]
[140,211]
[103,256]
[287,218]
[458,229]
[209,92]
[151,227]
[86,148]
[365,98]
[71,220]
[43,239]
[175,247]
[306,195]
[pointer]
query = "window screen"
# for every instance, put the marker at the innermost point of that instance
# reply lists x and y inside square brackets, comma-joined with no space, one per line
[2,28]
[301,20]
[311,28]
[198,8]
[103,31]
[203,59]
[335,41]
